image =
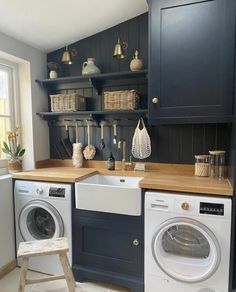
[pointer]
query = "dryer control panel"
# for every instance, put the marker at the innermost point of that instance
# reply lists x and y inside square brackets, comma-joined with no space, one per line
[211,208]
[57,192]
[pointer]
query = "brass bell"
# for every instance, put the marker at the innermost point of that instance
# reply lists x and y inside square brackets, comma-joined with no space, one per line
[119,49]
[66,57]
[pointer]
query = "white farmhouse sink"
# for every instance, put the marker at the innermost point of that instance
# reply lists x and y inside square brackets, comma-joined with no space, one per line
[109,193]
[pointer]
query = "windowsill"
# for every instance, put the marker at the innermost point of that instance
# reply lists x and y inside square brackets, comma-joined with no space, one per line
[3,163]
[3,167]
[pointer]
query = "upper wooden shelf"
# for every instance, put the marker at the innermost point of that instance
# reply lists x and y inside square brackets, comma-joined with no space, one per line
[97,80]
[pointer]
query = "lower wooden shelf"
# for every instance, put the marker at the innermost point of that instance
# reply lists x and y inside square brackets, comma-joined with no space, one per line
[95,115]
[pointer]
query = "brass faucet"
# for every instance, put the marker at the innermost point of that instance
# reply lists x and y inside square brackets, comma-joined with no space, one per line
[122,146]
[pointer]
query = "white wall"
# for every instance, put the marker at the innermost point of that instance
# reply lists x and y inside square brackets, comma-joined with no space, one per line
[32,65]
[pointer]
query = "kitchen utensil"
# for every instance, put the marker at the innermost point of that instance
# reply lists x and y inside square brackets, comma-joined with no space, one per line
[141,143]
[67,141]
[102,145]
[89,151]
[77,156]
[62,143]
[114,133]
[76,133]
[57,150]
[56,145]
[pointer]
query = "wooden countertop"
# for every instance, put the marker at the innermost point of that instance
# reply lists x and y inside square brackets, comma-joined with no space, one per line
[167,177]
[189,184]
[56,174]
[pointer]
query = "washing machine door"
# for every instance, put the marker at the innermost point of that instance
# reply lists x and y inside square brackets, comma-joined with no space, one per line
[40,220]
[186,250]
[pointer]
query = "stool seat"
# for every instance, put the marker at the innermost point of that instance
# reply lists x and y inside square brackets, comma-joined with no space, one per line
[45,247]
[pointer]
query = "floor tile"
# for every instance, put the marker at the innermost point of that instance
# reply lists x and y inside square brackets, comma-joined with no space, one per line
[10,284]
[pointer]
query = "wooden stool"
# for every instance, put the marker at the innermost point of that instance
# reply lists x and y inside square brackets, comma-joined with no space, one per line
[44,247]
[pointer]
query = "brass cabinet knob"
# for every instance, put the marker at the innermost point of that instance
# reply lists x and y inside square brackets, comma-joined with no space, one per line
[136,242]
[155,100]
[185,206]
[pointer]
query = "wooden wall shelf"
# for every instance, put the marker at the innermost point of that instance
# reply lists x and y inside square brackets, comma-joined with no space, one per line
[97,80]
[96,115]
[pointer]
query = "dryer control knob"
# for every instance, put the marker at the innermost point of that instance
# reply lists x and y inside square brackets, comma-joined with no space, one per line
[39,191]
[185,206]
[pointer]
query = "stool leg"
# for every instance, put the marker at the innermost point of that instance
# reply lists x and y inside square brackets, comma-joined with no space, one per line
[67,272]
[23,272]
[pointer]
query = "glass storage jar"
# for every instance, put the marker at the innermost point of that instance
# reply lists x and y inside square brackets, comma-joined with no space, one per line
[217,164]
[202,165]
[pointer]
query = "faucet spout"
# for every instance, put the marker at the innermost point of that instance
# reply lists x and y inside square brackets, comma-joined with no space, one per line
[122,146]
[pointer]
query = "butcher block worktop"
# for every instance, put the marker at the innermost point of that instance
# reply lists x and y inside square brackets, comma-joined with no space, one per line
[167,177]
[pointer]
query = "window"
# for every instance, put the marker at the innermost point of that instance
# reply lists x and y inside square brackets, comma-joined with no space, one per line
[6,103]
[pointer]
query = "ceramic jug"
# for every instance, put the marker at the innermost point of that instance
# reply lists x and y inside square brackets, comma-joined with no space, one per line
[89,67]
[136,64]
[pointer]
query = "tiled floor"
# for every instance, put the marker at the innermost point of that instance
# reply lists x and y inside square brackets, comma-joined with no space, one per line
[10,283]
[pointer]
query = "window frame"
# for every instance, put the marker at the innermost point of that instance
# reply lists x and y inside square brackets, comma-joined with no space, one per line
[12,70]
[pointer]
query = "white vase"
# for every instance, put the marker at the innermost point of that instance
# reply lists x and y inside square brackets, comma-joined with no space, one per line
[52,74]
[89,67]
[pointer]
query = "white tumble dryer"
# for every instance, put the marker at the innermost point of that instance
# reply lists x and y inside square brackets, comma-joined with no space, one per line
[187,243]
[43,211]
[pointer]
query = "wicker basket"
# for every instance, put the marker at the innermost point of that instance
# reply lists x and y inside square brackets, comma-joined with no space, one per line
[70,102]
[121,100]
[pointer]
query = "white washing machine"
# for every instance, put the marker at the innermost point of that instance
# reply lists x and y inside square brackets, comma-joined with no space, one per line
[43,211]
[187,243]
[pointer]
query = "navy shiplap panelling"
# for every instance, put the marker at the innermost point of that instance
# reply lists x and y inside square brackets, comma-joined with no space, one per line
[170,143]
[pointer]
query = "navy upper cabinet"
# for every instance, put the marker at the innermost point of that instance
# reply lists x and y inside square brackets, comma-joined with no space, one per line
[191,60]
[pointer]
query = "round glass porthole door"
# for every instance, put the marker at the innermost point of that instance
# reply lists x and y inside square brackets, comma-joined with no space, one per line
[186,250]
[40,220]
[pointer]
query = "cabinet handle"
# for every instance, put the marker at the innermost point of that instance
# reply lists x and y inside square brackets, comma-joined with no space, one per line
[136,242]
[155,100]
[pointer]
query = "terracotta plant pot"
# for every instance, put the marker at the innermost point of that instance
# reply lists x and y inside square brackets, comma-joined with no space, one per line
[14,166]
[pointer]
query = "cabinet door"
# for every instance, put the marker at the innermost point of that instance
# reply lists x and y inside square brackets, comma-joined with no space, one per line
[108,245]
[191,60]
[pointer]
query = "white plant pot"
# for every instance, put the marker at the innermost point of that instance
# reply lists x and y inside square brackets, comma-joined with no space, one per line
[52,74]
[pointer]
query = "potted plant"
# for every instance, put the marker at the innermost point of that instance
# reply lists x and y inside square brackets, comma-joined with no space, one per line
[53,69]
[14,151]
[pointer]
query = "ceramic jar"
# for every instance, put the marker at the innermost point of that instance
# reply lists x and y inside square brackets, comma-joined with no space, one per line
[14,166]
[136,64]
[52,74]
[89,67]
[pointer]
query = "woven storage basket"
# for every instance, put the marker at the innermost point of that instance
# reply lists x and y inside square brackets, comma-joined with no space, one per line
[121,100]
[69,102]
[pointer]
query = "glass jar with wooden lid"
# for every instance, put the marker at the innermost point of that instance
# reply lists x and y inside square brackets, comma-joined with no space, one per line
[202,165]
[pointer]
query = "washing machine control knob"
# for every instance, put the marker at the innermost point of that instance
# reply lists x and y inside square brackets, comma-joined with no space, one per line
[185,206]
[39,191]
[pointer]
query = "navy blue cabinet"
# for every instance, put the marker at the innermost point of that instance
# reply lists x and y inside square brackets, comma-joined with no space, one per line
[191,60]
[108,247]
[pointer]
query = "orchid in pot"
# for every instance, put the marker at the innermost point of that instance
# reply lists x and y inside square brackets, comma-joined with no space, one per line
[13,149]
